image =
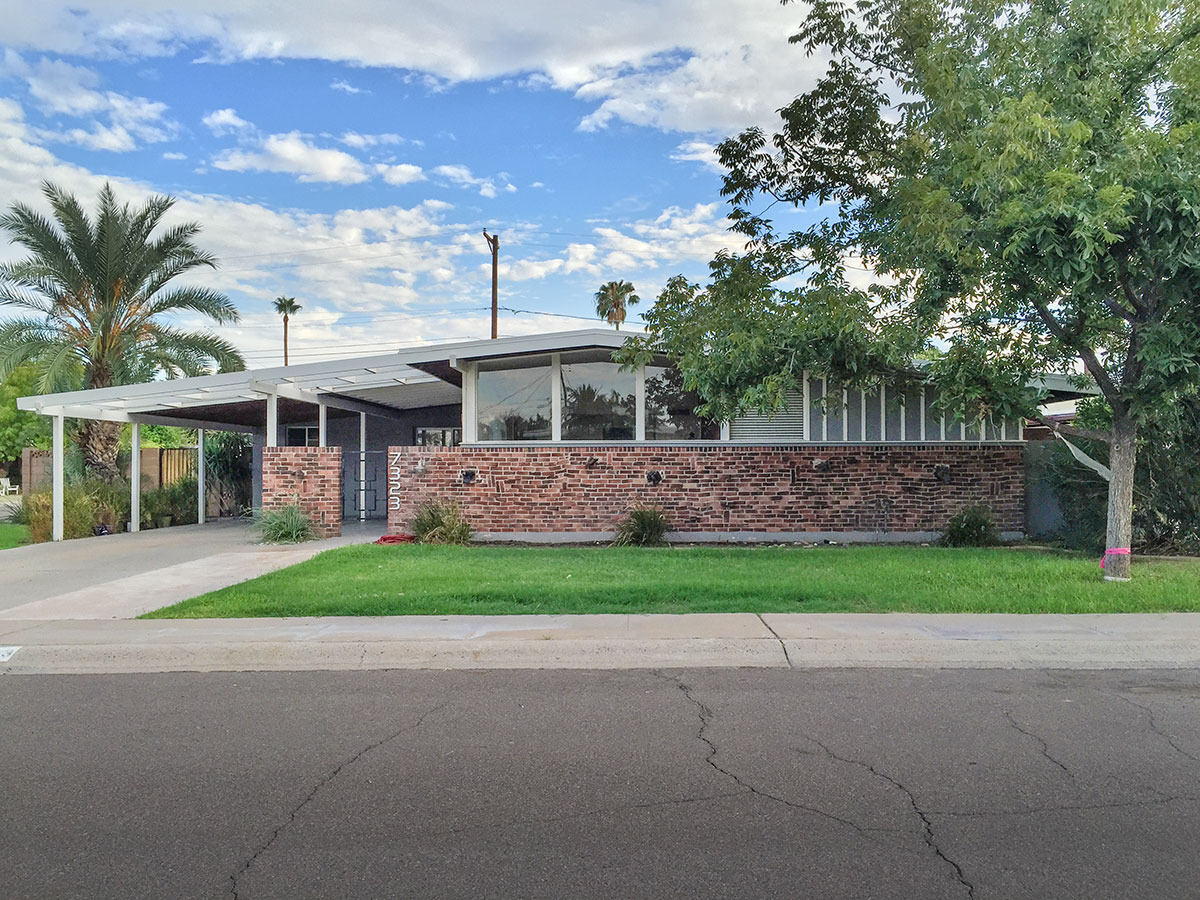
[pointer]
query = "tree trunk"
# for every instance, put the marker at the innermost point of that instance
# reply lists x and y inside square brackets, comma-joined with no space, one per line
[1122,460]
[99,442]
[285,354]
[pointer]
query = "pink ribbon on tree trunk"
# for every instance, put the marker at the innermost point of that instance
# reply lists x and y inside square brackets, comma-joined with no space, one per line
[1113,551]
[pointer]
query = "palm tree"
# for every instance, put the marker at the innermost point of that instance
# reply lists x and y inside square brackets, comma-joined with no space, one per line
[96,303]
[611,300]
[286,306]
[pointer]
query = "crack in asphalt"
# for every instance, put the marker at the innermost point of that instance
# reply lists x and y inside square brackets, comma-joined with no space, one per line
[705,716]
[1045,748]
[316,789]
[1154,727]
[959,875]
[778,638]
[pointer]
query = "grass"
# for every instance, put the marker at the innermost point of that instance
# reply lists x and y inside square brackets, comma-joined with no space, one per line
[13,535]
[425,580]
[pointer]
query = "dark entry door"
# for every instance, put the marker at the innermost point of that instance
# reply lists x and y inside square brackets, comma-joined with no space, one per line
[366,492]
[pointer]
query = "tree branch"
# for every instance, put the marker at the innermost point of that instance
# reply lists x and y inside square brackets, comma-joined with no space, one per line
[1071,430]
[1090,361]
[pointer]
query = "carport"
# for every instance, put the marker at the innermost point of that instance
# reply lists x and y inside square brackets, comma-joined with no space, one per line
[380,394]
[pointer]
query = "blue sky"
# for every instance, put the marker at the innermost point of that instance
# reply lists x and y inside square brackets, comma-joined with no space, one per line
[350,154]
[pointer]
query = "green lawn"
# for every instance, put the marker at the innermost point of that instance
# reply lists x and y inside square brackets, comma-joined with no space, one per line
[393,580]
[13,535]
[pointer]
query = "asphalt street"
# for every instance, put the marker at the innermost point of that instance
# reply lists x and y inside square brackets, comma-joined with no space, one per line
[848,783]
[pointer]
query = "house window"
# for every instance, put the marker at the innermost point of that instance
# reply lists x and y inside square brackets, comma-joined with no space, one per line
[437,437]
[598,399]
[513,399]
[303,436]
[671,410]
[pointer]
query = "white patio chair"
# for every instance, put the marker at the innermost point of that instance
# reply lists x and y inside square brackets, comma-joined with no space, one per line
[7,487]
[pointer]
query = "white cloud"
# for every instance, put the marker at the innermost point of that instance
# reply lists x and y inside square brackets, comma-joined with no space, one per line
[174,156]
[697,66]
[116,122]
[340,84]
[225,121]
[293,154]
[461,176]
[404,173]
[698,151]
[364,141]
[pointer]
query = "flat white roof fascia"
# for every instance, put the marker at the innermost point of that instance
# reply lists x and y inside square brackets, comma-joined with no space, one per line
[225,387]
[236,382]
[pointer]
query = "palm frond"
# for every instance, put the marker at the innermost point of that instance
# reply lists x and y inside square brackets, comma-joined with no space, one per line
[52,254]
[79,232]
[195,344]
[16,294]
[207,302]
[25,339]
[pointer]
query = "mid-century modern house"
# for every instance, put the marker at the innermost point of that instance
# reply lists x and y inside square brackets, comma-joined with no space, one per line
[545,438]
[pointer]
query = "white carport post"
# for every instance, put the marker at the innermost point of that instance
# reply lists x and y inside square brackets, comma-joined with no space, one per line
[200,476]
[135,477]
[56,478]
[322,424]
[272,420]
[362,467]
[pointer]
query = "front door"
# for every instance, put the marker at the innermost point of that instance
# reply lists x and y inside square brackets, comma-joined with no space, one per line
[364,485]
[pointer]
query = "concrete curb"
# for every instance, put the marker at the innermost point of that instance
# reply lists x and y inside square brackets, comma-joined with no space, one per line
[602,642]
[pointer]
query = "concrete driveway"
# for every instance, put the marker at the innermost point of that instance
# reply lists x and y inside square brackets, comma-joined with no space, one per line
[125,575]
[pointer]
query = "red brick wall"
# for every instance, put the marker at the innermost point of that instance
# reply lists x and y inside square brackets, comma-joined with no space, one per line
[308,476]
[713,489]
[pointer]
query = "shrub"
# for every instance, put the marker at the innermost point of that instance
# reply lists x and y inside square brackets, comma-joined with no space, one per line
[86,504]
[643,526]
[287,525]
[971,527]
[441,522]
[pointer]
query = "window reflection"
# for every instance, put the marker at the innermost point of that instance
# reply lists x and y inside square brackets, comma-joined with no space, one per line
[514,404]
[598,402]
[671,410]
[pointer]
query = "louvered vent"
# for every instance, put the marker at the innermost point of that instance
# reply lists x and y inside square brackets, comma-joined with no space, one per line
[785,426]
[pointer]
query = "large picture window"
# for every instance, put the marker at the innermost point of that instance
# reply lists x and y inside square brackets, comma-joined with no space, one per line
[671,410]
[513,400]
[598,399]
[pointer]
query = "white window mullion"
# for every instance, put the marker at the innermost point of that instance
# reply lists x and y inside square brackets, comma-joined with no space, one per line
[470,395]
[806,403]
[556,404]
[639,404]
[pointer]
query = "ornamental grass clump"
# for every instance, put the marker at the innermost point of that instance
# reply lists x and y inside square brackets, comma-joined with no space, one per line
[286,525]
[643,526]
[971,527]
[441,522]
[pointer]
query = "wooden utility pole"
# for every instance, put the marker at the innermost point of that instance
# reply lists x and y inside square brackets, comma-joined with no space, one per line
[494,244]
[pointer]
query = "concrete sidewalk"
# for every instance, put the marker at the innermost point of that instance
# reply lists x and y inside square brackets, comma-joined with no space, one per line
[603,642]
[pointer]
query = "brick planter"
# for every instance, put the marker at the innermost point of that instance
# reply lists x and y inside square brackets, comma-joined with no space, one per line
[310,477]
[735,492]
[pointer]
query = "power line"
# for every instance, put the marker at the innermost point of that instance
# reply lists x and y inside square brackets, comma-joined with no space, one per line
[411,237]
[370,317]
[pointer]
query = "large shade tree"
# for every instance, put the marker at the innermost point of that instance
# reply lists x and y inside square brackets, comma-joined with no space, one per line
[1023,179]
[97,305]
